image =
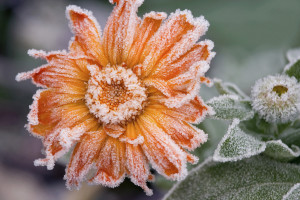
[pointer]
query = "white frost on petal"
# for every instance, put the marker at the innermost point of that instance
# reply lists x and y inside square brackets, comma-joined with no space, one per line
[190,38]
[156,15]
[193,75]
[32,116]
[273,107]
[160,150]
[43,54]
[139,140]
[79,10]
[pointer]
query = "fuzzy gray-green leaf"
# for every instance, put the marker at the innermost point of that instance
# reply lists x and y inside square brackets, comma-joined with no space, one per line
[237,145]
[280,151]
[228,107]
[255,178]
[293,194]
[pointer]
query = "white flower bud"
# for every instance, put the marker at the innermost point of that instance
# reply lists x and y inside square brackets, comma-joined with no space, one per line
[276,98]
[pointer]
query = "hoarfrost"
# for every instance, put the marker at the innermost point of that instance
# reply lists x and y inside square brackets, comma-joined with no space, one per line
[228,107]
[293,193]
[280,151]
[237,145]
[254,178]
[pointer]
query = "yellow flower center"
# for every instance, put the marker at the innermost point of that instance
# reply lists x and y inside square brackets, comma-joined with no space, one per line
[280,89]
[114,94]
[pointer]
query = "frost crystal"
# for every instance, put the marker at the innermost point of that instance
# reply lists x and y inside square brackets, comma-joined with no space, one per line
[276,98]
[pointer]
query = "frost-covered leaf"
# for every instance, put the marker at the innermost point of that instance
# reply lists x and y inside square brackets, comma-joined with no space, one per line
[293,70]
[280,151]
[293,193]
[256,178]
[237,145]
[228,107]
[229,88]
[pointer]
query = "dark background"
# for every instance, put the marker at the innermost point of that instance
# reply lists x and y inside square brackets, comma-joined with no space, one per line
[251,38]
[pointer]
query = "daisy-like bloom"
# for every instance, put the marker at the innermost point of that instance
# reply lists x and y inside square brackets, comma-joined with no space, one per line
[125,98]
[276,98]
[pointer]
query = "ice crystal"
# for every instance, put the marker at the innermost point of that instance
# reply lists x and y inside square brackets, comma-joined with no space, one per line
[276,98]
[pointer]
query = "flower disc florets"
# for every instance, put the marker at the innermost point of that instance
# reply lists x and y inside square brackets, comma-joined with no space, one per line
[114,94]
[276,98]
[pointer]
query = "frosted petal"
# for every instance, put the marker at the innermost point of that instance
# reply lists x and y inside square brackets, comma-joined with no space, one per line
[149,25]
[164,155]
[61,140]
[113,130]
[176,36]
[83,157]
[199,52]
[181,89]
[137,166]
[184,134]
[110,164]
[87,32]
[120,29]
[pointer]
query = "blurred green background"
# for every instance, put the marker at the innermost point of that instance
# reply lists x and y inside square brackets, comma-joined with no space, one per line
[251,38]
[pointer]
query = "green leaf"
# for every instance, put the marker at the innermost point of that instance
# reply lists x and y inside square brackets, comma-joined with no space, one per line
[280,151]
[229,88]
[256,178]
[228,107]
[293,194]
[294,70]
[237,145]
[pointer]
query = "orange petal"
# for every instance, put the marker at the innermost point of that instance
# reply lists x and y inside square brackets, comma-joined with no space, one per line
[131,135]
[42,111]
[83,157]
[137,167]
[191,158]
[193,112]
[173,39]
[199,52]
[87,32]
[113,130]
[120,29]
[110,164]
[59,142]
[69,75]
[150,24]
[164,155]
[184,134]
[180,89]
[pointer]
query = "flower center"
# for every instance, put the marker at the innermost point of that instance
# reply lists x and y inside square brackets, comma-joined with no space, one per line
[114,94]
[280,89]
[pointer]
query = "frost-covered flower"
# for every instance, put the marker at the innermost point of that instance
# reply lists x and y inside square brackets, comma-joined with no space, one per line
[125,98]
[276,98]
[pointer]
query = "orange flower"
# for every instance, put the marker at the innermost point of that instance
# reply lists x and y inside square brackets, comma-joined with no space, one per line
[124,98]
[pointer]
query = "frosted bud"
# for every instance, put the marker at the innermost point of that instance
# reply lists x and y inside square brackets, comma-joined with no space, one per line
[276,98]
